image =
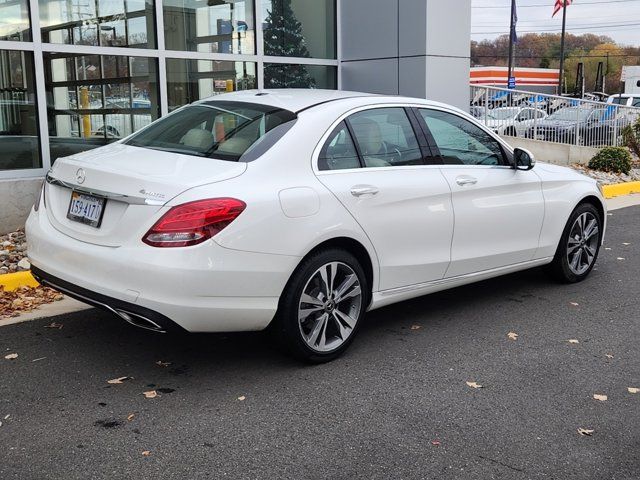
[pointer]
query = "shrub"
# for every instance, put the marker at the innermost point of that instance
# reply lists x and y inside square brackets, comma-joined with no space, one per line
[612,159]
[631,137]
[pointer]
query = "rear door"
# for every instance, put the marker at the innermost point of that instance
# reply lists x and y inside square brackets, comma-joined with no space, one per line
[374,163]
[498,210]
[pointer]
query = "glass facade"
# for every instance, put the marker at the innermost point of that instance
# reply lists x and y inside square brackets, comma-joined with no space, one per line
[92,72]
[14,20]
[191,80]
[212,26]
[19,145]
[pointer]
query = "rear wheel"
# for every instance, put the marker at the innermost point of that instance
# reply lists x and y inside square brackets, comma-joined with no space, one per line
[322,306]
[579,245]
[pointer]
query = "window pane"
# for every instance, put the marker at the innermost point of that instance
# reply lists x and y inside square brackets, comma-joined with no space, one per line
[19,147]
[223,130]
[339,152]
[460,141]
[191,80]
[14,20]
[299,28]
[385,138]
[112,23]
[211,26]
[95,99]
[286,75]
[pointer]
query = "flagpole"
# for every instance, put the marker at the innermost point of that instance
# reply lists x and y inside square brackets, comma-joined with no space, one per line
[511,41]
[564,25]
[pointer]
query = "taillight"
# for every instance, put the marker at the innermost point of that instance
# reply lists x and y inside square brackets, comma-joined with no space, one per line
[194,222]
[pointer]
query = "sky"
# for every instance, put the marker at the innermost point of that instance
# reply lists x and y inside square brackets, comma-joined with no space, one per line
[619,19]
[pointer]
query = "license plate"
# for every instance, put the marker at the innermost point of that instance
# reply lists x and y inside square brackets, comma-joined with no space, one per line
[85,208]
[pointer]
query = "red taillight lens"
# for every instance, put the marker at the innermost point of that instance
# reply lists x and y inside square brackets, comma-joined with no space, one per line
[194,222]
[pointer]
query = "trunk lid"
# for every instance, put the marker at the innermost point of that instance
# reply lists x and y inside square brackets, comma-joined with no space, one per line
[136,181]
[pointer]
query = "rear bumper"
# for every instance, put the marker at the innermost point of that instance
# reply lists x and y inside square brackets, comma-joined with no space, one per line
[135,314]
[204,288]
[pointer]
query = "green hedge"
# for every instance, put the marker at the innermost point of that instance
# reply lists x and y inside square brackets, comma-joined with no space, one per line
[612,159]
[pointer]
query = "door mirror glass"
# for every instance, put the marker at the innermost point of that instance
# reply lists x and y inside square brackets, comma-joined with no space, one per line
[523,159]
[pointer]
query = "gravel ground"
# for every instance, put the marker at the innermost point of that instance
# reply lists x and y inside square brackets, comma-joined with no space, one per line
[13,252]
[606,178]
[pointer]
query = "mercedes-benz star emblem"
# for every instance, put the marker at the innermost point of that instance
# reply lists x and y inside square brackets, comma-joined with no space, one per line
[80,176]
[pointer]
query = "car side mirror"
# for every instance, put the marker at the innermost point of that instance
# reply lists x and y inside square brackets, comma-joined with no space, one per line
[523,159]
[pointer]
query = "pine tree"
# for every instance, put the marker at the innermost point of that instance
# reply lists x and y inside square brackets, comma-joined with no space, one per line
[283,38]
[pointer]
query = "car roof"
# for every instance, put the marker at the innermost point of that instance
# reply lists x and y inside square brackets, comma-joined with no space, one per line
[298,99]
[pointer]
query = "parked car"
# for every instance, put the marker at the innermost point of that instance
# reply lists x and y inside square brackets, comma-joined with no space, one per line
[300,210]
[626,99]
[513,121]
[580,126]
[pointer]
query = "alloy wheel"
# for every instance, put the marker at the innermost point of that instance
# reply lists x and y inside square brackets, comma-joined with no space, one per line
[329,306]
[582,244]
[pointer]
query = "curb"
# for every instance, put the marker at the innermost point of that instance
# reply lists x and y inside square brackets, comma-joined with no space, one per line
[12,281]
[618,189]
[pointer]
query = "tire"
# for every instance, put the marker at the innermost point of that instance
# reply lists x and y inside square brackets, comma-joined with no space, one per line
[573,263]
[329,323]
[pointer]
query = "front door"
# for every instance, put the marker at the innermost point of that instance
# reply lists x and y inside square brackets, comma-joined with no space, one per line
[498,210]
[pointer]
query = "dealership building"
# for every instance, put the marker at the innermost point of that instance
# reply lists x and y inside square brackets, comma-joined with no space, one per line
[77,74]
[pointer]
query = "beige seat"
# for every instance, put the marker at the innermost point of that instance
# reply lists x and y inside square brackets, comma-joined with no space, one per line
[198,139]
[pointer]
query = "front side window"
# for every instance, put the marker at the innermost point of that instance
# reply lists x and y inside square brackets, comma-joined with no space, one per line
[385,137]
[461,142]
[221,130]
[339,152]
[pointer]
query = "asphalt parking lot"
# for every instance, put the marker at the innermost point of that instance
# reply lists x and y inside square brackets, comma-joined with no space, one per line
[397,405]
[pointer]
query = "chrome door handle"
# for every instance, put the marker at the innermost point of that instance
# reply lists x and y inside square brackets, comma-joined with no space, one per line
[462,181]
[359,190]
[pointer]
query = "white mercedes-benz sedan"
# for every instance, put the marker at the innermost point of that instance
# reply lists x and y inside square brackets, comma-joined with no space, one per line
[301,210]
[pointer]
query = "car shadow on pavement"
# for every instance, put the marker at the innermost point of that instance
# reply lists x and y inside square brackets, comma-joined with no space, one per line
[100,337]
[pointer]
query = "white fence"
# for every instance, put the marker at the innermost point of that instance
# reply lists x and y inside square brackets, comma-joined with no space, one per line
[551,118]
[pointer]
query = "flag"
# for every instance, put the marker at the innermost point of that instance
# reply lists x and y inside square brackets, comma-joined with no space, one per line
[514,21]
[558,6]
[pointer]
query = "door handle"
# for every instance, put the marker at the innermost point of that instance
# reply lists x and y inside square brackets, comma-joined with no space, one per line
[462,181]
[359,190]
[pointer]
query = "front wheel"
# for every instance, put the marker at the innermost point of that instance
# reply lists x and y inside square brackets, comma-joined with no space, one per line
[322,306]
[579,245]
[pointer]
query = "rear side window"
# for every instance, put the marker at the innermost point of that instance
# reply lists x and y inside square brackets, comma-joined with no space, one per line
[385,137]
[460,142]
[217,129]
[339,152]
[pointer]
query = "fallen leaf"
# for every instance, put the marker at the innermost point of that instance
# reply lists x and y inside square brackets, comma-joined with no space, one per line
[474,385]
[150,394]
[607,248]
[6,417]
[146,453]
[435,442]
[573,340]
[585,432]
[11,356]
[575,304]
[633,390]
[242,398]
[54,325]
[608,355]
[130,417]
[620,258]
[160,363]
[602,398]
[626,243]
[117,381]
[416,327]
[512,336]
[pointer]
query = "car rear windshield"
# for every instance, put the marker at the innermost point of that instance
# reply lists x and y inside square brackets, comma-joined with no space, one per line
[217,129]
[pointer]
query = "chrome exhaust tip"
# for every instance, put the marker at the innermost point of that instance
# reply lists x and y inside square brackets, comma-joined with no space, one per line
[139,321]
